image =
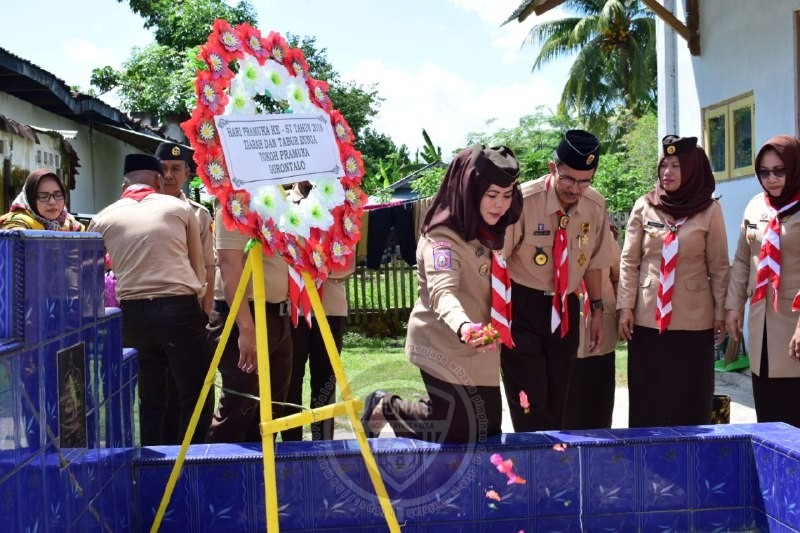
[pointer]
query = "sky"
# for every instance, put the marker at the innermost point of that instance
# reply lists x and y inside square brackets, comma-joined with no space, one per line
[443,65]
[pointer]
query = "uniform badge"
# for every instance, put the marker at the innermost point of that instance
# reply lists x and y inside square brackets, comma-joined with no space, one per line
[563,221]
[582,260]
[590,159]
[671,149]
[539,227]
[484,269]
[479,252]
[442,258]
[540,258]
[585,227]
[176,151]
[655,224]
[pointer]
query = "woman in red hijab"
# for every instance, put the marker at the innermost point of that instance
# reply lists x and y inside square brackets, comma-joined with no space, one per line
[765,273]
[41,205]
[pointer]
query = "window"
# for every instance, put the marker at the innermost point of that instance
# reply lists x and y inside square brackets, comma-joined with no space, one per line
[38,156]
[2,146]
[729,133]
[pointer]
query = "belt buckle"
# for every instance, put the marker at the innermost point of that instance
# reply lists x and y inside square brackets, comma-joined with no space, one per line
[549,293]
[283,310]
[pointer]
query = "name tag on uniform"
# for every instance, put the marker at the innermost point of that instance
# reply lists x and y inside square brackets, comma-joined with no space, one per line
[542,232]
[752,226]
[654,224]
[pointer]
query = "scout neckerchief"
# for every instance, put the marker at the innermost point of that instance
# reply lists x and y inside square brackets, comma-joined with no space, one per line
[560,272]
[666,279]
[796,302]
[299,300]
[138,192]
[769,260]
[501,298]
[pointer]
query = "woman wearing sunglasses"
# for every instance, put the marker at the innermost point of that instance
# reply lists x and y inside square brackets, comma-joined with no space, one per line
[41,205]
[769,239]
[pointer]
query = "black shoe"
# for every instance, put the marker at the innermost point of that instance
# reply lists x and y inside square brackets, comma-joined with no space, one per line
[372,399]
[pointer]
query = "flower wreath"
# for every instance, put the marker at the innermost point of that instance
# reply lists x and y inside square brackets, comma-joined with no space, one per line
[243,72]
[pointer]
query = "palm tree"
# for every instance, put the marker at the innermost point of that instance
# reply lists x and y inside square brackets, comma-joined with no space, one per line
[614,45]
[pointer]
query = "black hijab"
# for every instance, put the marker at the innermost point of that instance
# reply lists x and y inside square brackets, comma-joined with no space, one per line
[697,179]
[788,149]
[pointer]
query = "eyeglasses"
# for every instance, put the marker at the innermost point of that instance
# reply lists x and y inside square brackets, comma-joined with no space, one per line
[763,173]
[45,196]
[569,181]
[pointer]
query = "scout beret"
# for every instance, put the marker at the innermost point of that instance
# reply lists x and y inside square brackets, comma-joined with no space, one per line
[134,162]
[579,149]
[674,145]
[173,151]
[498,164]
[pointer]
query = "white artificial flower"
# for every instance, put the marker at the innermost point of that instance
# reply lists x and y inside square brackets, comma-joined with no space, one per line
[329,192]
[240,101]
[251,76]
[294,221]
[298,98]
[269,202]
[318,215]
[276,78]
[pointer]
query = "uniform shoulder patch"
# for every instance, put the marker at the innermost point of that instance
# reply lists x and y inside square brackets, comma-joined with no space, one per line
[442,258]
[441,244]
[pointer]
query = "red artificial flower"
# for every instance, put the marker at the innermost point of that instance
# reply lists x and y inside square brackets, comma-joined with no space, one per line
[228,38]
[351,159]
[318,259]
[294,251]
[271,238]
[209,92]
[339,253]
[253,42]
[341,128]
[356,198]
[236,212]
[349,225]
[213,171]
[277,47]
[296,62]
[217,60]
[318,90]
[200,129]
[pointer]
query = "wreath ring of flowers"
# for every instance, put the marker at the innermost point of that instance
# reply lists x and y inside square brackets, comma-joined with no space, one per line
[240,71]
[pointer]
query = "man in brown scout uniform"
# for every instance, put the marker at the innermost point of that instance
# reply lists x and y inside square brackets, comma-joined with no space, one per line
[560,240]
[237,417]
[154,244]
[175,160]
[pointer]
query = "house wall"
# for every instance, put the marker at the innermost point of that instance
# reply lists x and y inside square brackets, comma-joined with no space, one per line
[100,173]
[745,46]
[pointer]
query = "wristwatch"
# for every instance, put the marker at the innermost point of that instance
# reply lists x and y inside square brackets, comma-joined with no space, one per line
[597,305]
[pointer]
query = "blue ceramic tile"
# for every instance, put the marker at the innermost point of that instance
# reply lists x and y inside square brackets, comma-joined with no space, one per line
[448,487]
[496,498]
[611,479]
[664,476]
[30,404]
[720,474]
[666,522]
[788,490]
[8,411]
[30,484]
[53,284]
[557,478]
[340,491]
[76,494]
[776,526]
[612,523]
[89,338]
[655,434]
[151,482]
[721,520]
[7,283]
[55,500]
[450,527]
[222,497]
[123,497]
[72,279]
[765,480]
[756,520]
[499,526]
[114,432]
[9,500]
[573,524]
[34,291]
[51,401]
[98,359]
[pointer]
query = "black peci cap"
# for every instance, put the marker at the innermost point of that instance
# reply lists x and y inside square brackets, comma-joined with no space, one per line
[498,164]
[134,162]
[674,145]
[579,149]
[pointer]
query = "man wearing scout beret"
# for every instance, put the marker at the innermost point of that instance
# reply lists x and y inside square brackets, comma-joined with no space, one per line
[559,242]
[154,244]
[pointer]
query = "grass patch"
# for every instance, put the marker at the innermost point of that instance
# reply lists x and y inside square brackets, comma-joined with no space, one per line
[622,364]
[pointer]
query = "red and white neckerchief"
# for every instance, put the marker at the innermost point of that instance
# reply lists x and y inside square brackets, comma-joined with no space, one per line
[501,298]
[666,279]
[559,314]
[138,192]
[796,302]
[769,260]
[299,300]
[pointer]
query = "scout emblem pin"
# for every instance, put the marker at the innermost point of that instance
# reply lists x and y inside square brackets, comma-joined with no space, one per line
[590,159]
[176,150]
[483,270]
[671,150]
[582,260]
[563,221]
[540,258]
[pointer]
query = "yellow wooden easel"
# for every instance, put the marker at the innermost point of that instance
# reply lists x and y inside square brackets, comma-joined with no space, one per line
[350,406]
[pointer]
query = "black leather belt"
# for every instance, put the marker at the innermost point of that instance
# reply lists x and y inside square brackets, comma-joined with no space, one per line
[159,301]
[280,308]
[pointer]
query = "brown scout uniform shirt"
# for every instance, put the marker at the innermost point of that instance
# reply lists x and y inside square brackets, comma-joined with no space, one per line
[701,275]
[587,237]
[154,246]
[276,271]
[609,296]
[781,324]
[454,287]
[206,234]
